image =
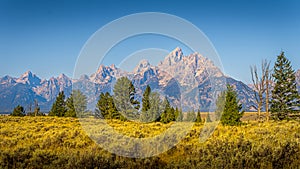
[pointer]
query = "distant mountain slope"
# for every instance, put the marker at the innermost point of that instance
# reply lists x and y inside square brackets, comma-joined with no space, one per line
[298,79]
[28,87]
[178,77]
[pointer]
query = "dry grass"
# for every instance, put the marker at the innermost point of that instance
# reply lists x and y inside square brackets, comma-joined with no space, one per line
[51,142]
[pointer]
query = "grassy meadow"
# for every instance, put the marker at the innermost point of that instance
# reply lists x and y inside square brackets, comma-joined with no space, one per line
[52,142]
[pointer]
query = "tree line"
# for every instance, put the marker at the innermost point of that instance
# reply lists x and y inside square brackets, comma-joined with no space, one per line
[122,105]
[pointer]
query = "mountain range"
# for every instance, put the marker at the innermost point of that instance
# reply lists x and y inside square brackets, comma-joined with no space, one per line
[187,81]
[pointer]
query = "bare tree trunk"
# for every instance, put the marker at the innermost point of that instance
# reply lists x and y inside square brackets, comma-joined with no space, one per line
[257,84]
[267,99]
[268,81]
[261,87]
[35,107]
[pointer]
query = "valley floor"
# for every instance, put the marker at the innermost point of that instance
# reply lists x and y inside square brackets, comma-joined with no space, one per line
[51,142]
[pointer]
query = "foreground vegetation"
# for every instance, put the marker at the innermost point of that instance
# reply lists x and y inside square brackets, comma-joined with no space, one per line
[53,142]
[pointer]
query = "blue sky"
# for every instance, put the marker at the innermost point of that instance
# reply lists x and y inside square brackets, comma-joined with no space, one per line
[46,36]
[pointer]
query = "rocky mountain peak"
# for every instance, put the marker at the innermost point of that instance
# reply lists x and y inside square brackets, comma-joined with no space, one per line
[64,80]
[7,80]
[29,78]
[100,69]
[27,73]
[113,66]
[174,57]
[63,76]
[142,66]
[104,74]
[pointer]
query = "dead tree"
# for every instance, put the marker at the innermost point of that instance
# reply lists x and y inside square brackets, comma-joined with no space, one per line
[268,74]
[260,86]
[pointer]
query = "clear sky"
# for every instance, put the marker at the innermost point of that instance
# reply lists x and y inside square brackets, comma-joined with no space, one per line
[46,36]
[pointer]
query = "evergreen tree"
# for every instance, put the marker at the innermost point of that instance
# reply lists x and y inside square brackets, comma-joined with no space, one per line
[178,114]
[101,107]
[163,117]
[145,100]
[145,116]
[59,106]
[80,103]
[155,108]
[167,114]
[191,116]
[71,112]
[232,113]
[124,98]
[18,111]
[106,107]
[220,104]
[171,114]
[285,98]
[198,118]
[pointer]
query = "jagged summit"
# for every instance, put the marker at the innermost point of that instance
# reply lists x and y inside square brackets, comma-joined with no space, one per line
[175,56]
[29,78]
[62,76]
[27,73]
[105,74]
[7,80]
[177,51]
[143,65]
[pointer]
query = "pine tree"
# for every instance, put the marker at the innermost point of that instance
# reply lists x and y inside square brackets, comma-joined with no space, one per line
[232,113]
[112,111]
[171,114]
[106,107]
[101,108]
[145,100]
[71,112]
[198,118]
[220,104]
[124,98]
[18,111]
[178,114]
[59,106]
[285,98]
[155,109]
[191,116]
[156,106]
[80,103]
[168,114]
[145,114]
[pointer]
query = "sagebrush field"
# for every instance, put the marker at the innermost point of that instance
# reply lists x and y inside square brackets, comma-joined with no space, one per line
[51,142]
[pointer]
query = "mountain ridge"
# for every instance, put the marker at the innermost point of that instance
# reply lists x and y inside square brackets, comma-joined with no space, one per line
[178,77]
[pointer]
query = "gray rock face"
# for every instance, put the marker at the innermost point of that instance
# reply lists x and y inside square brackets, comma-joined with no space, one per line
[187,81]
